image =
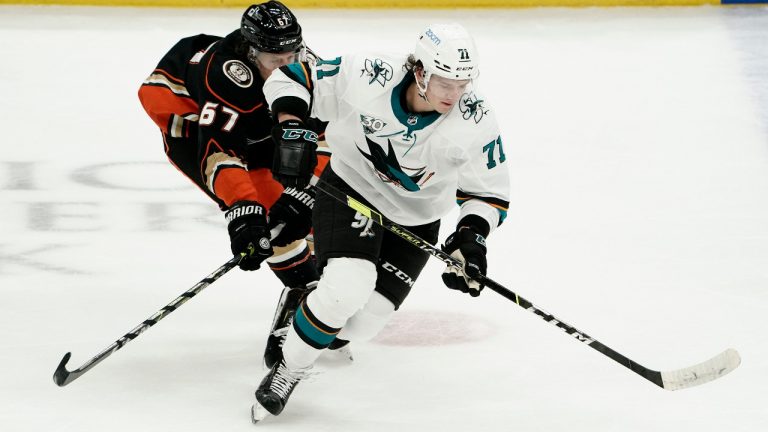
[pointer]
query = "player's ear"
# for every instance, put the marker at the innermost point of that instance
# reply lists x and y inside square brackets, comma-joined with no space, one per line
[418,73]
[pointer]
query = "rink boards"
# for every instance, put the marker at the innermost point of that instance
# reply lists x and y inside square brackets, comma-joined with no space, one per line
[384,4]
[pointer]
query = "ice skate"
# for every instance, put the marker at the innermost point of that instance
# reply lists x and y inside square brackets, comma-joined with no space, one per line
[286,308]
[275,389]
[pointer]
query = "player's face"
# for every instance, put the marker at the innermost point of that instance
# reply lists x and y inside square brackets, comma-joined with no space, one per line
[443,93]
[268,62]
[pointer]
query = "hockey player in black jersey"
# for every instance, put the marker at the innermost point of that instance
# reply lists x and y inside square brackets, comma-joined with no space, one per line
[206,97]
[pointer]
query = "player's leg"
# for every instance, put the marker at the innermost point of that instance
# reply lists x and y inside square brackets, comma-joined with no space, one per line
[293,264]
[295,267]
[347,247]
[400,264]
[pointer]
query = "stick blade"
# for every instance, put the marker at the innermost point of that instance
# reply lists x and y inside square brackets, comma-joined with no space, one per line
[61,375]
[712,369]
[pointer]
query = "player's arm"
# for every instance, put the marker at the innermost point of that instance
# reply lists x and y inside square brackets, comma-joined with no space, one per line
[295,92]
[483,197]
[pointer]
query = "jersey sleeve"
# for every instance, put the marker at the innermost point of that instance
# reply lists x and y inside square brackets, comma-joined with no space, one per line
[313,88]
[308,89]
[483,187]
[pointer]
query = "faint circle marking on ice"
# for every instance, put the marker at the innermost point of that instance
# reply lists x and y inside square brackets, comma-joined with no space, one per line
[433,328]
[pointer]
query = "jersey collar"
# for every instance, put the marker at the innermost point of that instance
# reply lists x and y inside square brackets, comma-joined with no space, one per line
[412,121]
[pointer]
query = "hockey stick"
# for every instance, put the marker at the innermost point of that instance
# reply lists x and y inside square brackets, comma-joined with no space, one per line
[701,373]
[63,377]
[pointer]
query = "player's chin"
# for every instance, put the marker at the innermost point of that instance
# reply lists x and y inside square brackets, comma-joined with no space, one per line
[444,106]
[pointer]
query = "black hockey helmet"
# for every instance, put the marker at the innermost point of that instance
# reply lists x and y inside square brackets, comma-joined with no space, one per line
[271,28]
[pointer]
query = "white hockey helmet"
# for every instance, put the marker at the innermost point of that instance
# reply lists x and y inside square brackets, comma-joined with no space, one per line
[447,50]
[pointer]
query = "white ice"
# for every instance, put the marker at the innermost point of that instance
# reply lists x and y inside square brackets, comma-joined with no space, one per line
[637,144]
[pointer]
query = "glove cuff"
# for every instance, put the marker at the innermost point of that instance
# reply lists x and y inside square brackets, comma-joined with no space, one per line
[290,105]
[476,223]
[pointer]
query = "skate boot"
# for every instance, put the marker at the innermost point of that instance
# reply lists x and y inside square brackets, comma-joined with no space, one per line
[286,308]
[275,389]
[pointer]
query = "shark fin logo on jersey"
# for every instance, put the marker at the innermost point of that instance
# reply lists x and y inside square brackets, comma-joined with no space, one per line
[239,73]
[371,125]
[471,107]
[378,71]
[389,169]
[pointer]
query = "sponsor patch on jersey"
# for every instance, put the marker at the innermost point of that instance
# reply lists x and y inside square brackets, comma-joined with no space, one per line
[471,107]
[371,125]
[239,73]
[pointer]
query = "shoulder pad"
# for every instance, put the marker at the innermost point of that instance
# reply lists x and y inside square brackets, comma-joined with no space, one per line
[299,73]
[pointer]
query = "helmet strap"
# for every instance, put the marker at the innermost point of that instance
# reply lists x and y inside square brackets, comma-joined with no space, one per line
[423,90]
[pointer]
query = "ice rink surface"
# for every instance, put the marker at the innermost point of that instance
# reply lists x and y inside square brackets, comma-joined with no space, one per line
[637,144]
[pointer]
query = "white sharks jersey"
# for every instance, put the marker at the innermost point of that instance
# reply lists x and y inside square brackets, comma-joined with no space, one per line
[411,166]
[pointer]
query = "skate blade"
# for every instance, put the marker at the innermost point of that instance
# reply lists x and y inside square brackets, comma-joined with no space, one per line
[258,413]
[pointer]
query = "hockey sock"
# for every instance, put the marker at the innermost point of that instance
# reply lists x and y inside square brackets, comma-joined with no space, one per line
[294,267]
[345,287]
[306,339]
[366,323]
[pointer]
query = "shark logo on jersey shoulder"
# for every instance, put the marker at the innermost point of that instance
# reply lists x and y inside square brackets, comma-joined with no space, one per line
[471,107]
[389,169]
[378,71]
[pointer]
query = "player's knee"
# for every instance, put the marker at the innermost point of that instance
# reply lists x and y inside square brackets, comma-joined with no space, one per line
[368,321]
[344,288]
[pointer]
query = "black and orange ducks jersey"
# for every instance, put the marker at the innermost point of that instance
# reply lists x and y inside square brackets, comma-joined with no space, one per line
[206,97]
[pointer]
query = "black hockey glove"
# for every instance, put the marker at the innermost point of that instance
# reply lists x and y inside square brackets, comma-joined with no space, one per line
[248,233]
[295,157]
[467,246]
[294,208]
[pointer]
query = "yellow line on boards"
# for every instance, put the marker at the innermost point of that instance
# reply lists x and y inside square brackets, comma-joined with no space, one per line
[369,4]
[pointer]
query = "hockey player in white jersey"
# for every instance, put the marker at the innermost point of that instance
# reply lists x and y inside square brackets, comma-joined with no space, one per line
[410,137]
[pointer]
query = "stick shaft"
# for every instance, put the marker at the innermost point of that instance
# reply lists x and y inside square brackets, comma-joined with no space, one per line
[63,377]
[413,239]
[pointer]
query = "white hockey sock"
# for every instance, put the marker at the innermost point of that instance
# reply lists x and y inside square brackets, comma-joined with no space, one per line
[344,288]
[368,321]
[297,353]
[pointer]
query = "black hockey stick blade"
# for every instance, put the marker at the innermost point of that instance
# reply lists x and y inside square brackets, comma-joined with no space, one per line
[62,376]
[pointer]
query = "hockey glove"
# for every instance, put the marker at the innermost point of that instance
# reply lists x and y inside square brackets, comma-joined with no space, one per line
[294,208]
[467,246]
[248,233]
[295,157]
